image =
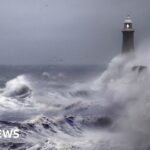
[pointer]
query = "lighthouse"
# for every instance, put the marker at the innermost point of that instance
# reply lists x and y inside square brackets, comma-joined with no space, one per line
[128,36]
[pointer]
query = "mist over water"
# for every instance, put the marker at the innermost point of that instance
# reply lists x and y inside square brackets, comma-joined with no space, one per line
[81,108]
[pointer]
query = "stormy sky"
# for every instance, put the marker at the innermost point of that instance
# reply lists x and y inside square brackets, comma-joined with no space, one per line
[67,31]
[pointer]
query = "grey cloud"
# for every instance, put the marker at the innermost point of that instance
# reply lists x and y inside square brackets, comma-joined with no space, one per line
[75,31]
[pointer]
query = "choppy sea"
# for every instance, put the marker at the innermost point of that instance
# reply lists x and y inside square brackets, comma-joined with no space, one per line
[77,107]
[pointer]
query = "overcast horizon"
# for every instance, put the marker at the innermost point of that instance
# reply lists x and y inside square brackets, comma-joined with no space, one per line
[67,32]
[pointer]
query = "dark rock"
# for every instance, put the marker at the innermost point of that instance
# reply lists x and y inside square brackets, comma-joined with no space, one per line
[139,68]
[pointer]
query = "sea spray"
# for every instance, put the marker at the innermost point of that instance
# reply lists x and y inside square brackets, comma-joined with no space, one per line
[109,112]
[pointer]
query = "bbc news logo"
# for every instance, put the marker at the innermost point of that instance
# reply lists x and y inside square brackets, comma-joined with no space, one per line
[9,133]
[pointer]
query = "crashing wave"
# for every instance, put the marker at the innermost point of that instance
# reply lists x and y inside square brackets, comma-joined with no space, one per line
[18,87]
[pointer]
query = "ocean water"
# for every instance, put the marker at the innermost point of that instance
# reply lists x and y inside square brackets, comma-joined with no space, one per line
[77,107]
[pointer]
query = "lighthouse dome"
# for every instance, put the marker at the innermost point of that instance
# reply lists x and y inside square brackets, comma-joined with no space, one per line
[128,19]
